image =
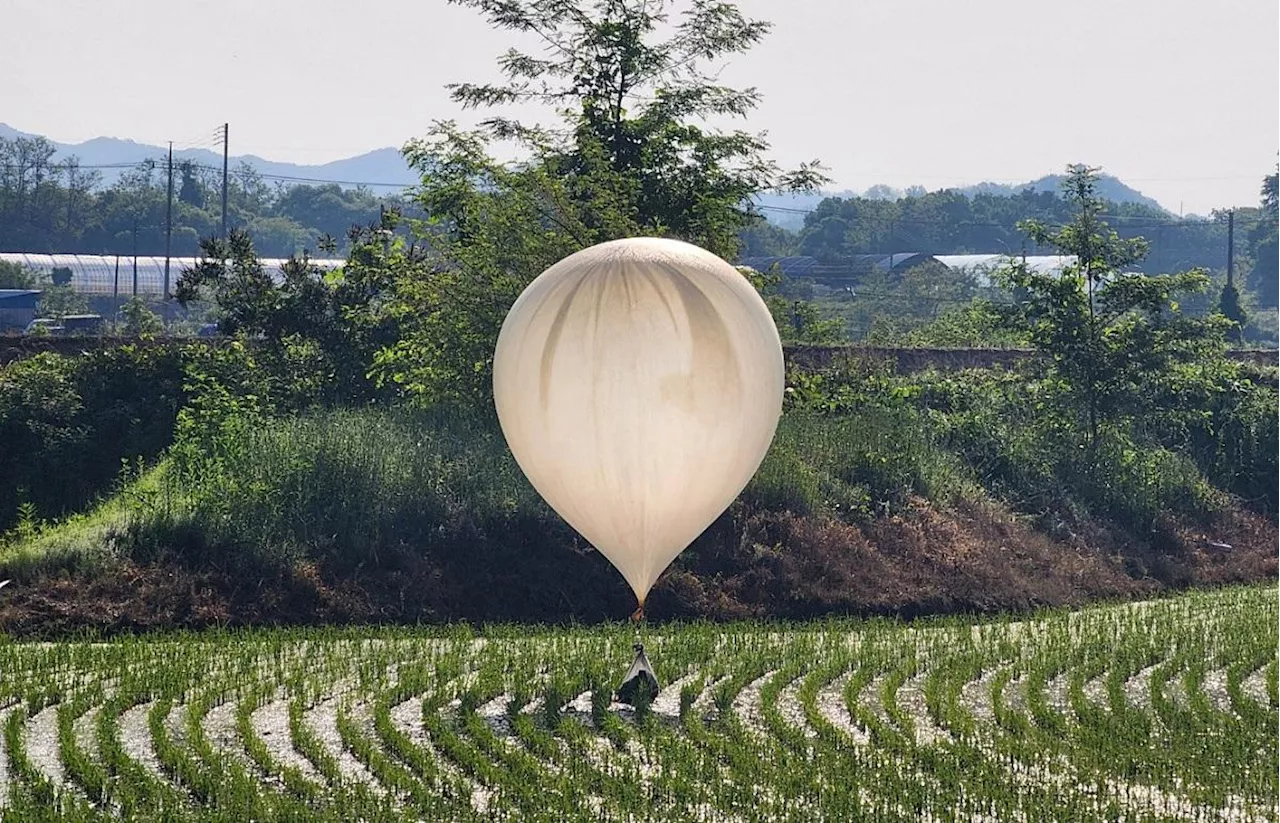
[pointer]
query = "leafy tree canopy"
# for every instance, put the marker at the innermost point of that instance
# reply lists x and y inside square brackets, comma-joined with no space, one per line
[629,154]
[1110,334]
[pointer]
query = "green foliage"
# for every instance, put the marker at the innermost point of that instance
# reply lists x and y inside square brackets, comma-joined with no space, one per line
[1207,428]
[631,157]
[1271,195]
[882,306]
[139,319]
[212,428]
[359,492]
[325,326]
[760,238]
[1264,244]
[799,321]
[978,324]
[60,205]
[68,422]
[948,221]
[1229,307]
[1125,415]
[854,467]
[18,276]
[56,450]
[59,301]
[1108,334]
[1265,278]
[250,485]
[243,488]
[345,486]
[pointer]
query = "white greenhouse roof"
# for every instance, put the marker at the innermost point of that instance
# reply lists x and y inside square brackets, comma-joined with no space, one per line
[96,273]
[1041,264]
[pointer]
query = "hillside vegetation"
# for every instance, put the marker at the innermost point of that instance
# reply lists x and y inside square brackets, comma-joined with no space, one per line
[337,457]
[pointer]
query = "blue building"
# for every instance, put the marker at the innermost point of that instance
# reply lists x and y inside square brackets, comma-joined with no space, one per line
[17,309]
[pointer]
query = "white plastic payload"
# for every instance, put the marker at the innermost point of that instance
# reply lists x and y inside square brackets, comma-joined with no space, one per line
[639,383]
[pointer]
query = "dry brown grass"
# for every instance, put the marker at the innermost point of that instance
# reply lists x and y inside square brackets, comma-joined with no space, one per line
[974,558]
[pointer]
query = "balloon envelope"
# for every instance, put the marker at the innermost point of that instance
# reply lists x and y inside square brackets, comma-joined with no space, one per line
[639,383]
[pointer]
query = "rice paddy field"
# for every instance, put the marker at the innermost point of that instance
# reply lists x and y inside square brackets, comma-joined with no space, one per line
[1161,710]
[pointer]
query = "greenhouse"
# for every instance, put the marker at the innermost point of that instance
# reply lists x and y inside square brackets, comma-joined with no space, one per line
[121,275]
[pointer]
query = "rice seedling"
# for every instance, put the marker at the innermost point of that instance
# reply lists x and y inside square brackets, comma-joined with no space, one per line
[1164,710]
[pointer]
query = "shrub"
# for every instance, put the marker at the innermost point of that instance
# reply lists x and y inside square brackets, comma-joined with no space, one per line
[347,486]
[68,422]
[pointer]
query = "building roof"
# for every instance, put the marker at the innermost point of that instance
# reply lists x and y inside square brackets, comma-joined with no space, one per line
[852,266]
[19,295]
[1040,264]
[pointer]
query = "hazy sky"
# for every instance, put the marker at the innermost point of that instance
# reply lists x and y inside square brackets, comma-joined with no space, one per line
[1176,97]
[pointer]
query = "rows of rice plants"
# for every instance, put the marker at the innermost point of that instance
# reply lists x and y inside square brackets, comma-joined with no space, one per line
[1164,710]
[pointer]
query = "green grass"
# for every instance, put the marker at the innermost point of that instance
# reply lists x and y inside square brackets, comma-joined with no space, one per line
[755,726]
[351,486]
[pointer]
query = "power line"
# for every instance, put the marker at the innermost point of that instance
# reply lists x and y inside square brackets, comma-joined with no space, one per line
[207,167]
[1130,220]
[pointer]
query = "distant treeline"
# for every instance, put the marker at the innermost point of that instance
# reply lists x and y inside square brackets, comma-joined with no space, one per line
[950,222]
[52,207]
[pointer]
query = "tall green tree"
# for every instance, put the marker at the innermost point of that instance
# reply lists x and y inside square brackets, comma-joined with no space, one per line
[628,154]
[191,191]
[1229,307]
[1271,195]
[327,324]
[1110,335]
[1264,241]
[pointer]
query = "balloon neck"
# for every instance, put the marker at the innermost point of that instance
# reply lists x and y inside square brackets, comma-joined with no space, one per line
[638,615]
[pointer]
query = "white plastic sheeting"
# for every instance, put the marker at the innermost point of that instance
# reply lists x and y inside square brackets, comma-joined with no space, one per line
[111,274]
[639,383]
[982,266]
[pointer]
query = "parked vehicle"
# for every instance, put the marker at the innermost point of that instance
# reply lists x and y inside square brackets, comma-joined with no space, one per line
[72,324]
[84,324]
[45,326]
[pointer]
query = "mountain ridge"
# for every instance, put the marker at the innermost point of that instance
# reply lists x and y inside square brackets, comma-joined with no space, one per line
[385,169]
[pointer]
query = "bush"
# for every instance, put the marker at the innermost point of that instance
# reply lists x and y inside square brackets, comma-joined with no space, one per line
[67,423]
[351,487]
[1014,434]
[18,276]
[139,319]
[260,476]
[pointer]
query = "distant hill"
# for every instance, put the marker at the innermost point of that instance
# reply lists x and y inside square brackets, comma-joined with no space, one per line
[1110,188]
[381,166]
[787,210]
[387,166]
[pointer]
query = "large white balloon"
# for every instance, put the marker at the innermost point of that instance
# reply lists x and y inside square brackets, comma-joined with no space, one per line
[639,383]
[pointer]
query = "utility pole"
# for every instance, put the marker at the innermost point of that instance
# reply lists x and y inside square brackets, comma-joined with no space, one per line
[1231,246]
[71,190]
[168,224]
[135,257]
[115,288]
[226,129]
